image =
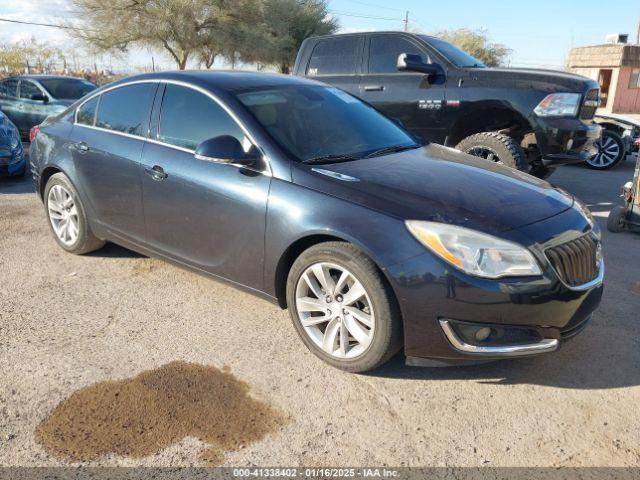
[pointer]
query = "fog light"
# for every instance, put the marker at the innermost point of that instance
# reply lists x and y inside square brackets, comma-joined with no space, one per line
[482,334]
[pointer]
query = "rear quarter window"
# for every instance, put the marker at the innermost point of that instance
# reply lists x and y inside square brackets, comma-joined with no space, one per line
[334,56]
[9,88]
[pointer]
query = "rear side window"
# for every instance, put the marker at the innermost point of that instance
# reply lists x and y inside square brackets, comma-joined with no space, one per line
[384,51]
[189,117]
[9,87]
[27,89]
[335,56]
[87,112]
[126,109]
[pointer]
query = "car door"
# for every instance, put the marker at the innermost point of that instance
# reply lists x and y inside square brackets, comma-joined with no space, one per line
[10,104]
[413,98]
[208,215]
[107,141]
[337,61]
[33,111]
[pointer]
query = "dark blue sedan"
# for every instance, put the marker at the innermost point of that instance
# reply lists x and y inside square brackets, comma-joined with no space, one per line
[12,159]
[304,195]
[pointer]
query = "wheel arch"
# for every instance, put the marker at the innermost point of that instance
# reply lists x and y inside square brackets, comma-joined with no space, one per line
[46,174]
[296,248]
[488,119]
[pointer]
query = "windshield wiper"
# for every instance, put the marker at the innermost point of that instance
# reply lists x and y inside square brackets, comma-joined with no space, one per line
[330,159]
[392,149]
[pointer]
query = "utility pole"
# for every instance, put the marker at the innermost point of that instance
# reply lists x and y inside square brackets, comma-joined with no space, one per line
[638,33]
[406,22]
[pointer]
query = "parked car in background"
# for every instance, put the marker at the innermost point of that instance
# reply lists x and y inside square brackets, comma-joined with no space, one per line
[620,137]
[303,194]
[12,159]
[532,120]
[27,100]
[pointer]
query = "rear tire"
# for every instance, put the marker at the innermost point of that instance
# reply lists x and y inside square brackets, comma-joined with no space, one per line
[615,220]
[378,303]
[610,151]
[496,147]
[67,217]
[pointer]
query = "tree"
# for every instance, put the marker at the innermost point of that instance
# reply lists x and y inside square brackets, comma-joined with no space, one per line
[286,23]
[182,28]
[477,44]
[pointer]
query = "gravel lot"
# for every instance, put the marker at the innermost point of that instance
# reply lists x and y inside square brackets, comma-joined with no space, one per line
[68,323]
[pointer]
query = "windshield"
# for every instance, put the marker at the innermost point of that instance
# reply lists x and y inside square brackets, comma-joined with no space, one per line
[323,124]
[67,88]
[458,57]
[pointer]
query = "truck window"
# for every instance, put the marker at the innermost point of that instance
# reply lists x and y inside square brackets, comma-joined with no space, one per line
[384,51]
[335,56]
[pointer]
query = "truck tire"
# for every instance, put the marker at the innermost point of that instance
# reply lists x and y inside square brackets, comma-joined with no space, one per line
[495,147]
[611,151]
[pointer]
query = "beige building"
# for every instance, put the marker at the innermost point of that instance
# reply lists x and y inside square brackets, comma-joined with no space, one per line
[616,67]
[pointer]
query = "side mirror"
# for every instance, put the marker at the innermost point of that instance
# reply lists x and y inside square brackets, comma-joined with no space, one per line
[226,149]
[411,62]
[40,97]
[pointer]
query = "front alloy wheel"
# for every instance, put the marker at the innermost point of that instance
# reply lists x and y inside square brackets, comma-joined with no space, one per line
[335,310]
[610,151]
[342,307]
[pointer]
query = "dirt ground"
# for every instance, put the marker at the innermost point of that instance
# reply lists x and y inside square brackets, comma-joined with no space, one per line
[83,336]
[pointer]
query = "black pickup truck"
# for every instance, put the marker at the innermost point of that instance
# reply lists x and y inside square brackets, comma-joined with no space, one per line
[532,120]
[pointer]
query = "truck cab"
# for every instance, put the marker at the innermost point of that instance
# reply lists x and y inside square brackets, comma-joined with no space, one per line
[532,120]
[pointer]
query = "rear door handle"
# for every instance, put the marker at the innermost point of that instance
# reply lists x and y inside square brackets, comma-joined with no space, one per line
[20,106]
[373,88]
[157,173]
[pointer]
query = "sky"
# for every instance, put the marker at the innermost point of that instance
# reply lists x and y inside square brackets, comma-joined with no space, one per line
[540,33]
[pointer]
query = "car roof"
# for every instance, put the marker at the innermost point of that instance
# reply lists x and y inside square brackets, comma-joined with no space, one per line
[377,32]
[227,80]
[41,77]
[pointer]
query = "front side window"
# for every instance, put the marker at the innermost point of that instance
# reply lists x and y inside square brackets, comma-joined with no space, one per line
[335,56]
[456,56]
[28,89]
[384,51]
[189,117]
[126,109]
[87,112]
[9,88]
[318,123]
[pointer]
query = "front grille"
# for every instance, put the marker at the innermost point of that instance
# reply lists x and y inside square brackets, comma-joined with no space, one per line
[576,262]
[587,112]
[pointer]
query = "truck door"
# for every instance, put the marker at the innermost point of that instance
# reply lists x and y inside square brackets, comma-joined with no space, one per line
[413,98]
[337,61]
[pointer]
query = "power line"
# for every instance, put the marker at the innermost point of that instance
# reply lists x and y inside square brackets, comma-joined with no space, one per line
[377,6]
[36,23]
[361,15]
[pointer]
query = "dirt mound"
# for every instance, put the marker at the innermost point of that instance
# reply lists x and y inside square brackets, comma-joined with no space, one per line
[157,408]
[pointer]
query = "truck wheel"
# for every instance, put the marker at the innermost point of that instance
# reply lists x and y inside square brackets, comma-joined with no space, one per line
[615,221]
[610,151]
[495,147]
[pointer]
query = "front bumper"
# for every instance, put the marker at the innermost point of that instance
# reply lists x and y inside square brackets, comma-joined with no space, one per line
[535,314]
[566,140]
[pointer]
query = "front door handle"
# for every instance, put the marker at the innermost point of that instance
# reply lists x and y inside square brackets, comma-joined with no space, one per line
[20,106]
[82,147]
[157,173]
[373,88]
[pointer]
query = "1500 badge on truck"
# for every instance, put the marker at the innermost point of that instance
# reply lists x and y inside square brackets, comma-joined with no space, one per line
[532,120]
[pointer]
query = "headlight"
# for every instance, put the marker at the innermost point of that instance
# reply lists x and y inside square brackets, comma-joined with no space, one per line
[474,252]
[558,105]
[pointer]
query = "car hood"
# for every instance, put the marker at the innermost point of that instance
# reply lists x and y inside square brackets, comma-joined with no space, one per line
[548,80]
[441,184]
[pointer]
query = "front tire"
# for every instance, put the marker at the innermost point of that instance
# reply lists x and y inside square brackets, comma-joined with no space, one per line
[342,308]
[67,217]
[495,147]
[610,151]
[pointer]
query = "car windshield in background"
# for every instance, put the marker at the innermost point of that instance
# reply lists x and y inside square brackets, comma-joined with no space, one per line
[317,124]
[458,57]
[67,88]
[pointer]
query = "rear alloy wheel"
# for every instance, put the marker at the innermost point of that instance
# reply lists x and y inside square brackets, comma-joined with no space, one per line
[610,151]
[342,308]
[495,147]
[67,217]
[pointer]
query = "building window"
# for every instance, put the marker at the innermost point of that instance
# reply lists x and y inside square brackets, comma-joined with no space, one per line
[634,80]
